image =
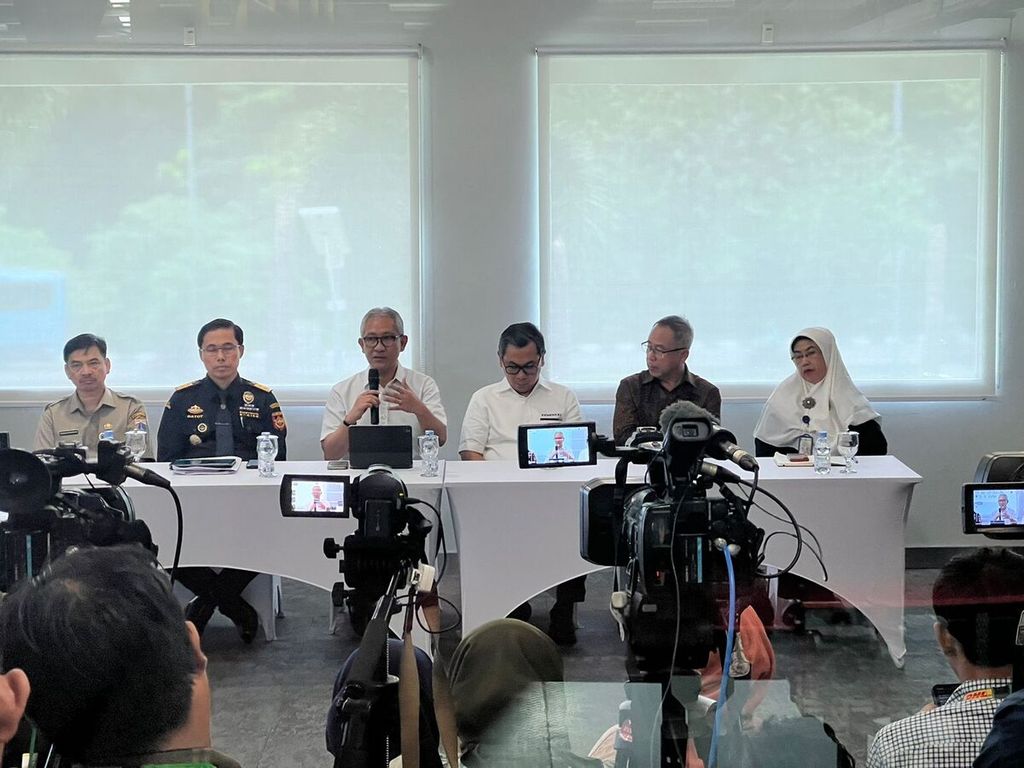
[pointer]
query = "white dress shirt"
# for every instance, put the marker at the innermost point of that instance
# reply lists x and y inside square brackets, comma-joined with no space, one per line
[491,425]
[345,393]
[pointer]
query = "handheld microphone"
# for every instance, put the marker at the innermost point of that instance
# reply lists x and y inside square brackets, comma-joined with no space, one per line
[373,384]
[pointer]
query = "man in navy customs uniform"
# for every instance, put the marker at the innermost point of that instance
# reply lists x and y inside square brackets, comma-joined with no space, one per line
[221,414]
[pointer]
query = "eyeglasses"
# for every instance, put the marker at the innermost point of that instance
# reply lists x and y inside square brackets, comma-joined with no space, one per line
[385,341]
[77,366]
[796,357]
[656,351]
[514,370]
[226,349]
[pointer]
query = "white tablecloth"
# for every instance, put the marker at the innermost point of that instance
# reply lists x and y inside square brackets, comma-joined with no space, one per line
[518,532]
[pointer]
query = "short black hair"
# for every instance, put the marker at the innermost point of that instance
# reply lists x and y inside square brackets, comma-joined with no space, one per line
[84,341]
[519,335]
[979,596]
[216,325]
[106,650]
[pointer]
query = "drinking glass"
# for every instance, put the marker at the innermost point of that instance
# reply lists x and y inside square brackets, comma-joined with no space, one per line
[135,442]
[847,447]
[266,452]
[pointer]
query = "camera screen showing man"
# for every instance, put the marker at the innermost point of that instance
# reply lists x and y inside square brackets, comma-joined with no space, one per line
[997,507]
[544,445]
[318,497]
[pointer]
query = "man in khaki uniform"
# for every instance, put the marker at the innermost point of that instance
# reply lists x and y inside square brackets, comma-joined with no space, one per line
[92,408]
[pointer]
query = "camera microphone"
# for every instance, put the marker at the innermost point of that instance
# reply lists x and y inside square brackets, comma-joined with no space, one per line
[720,445]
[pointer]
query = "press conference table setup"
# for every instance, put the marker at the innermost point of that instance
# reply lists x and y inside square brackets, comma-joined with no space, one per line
[517,530]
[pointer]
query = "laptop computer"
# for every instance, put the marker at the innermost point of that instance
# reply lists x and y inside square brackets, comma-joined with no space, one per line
[389,444]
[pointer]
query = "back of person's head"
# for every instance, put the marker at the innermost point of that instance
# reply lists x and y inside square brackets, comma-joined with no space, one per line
[106,649]
[83,342]
[383,733]
[519,335]
[506,684]
[979,597]
[218,324]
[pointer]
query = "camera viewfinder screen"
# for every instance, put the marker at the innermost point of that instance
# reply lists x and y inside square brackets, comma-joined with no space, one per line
[996,508]
[555,446]
[318,498]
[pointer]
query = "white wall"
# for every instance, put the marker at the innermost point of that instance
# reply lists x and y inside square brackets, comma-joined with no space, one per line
[482,221]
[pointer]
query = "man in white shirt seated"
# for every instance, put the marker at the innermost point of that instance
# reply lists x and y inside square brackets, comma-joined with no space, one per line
[490,431]
[977,600]
[404,396]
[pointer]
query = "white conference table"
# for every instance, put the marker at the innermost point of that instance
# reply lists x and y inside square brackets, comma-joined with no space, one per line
[518,532]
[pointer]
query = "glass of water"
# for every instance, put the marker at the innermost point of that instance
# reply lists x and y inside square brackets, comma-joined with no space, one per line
[135,442]
[848,444]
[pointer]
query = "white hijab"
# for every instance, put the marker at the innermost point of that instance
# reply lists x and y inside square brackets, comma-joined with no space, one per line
[838,404]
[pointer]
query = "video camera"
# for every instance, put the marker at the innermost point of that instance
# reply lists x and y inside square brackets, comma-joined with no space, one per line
[43,520]
[391,534]
[668,534]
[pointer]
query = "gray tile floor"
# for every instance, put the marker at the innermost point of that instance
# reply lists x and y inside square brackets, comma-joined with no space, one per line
[270,699]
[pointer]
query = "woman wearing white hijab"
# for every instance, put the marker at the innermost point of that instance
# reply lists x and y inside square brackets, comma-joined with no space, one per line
[820,395]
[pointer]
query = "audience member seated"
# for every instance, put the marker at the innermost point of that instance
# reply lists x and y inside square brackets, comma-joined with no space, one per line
[977,600]
[819,396]
[1004,747]
[14,691]
[118,677]
[383,727]
[506,683]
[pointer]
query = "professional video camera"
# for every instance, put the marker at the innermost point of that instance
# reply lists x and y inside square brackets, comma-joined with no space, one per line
[688,559]
[382,557]
[669,534]
[390,535]
[44,520]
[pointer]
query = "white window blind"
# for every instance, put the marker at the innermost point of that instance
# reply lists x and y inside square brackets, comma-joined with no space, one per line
[143,195]
[758,194]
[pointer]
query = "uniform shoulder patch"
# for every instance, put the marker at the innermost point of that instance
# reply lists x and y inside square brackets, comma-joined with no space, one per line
[187,385]
[261,387]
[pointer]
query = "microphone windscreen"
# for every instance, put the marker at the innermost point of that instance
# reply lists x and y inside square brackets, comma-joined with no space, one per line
[682,409]
[373,379]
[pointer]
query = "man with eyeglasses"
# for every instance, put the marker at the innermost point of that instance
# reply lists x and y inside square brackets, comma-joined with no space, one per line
[490,431]
[642,397]
[221,414]
[404,396]
[92,408]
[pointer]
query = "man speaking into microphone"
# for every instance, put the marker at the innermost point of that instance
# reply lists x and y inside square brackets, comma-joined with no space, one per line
[385,393]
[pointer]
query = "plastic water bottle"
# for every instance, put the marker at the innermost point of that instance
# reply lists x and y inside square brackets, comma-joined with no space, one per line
[822,454]
[107,433]
[266,452]
[429,447]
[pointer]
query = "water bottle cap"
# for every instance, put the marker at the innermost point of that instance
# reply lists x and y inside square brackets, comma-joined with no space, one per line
[264,434]
[429,432]
[822,433]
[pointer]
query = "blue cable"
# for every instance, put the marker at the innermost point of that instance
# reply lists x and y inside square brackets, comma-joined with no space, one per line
[726,660]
